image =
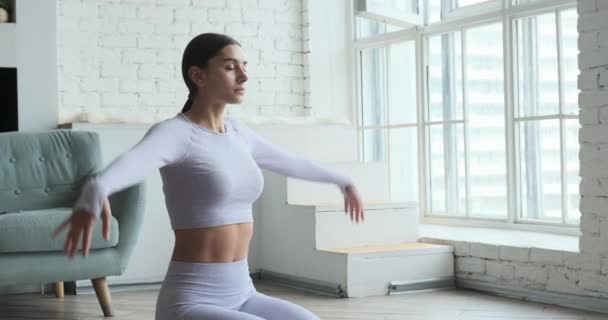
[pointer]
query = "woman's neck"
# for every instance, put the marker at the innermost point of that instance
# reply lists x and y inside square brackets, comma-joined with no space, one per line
[210,116]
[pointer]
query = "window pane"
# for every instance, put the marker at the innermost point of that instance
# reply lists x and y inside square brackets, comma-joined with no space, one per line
[540,170]
[537,67]
[485,106]
[404,164]
[572,170]
[373,86]
[447,169]
[463,3]
[434,11]
[374,145]
[367,27]
[402,83]
[445,77]
[569,38]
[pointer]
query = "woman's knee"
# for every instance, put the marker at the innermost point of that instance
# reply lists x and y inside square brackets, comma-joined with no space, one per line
[271,308]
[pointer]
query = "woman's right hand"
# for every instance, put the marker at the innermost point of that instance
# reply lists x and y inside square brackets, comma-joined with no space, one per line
[81,225]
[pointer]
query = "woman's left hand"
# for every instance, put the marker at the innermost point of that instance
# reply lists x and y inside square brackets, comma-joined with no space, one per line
[353,204]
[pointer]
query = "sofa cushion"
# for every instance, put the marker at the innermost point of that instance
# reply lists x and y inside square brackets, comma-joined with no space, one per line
[30,231]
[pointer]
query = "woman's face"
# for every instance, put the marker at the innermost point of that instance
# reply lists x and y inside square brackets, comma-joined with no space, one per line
[224,78]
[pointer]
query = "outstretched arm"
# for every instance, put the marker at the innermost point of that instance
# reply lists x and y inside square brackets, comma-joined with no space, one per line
[270,157]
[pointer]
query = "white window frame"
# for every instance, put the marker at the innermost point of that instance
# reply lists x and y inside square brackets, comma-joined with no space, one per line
[460,19]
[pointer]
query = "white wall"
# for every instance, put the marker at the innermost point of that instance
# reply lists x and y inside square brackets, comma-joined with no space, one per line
[120,60]
[583,273]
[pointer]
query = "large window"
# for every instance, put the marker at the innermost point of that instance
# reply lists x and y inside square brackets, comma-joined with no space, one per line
[496,121]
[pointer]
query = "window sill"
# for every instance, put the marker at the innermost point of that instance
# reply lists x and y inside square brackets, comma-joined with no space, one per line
[504,237]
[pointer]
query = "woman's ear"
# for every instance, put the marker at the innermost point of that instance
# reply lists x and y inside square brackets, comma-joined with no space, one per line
[197,75]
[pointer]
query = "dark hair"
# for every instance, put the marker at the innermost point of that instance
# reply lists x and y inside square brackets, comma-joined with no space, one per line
[197,53]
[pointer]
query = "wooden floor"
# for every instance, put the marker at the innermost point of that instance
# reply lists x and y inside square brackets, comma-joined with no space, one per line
[138,303]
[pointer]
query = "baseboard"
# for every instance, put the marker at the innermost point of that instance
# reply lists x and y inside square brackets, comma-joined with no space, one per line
[560,299]
[396,287]
[310,285]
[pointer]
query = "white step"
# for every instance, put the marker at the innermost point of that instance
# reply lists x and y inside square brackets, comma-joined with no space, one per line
[371,270]
[384,223]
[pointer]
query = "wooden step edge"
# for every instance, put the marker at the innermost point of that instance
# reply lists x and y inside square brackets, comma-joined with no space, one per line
[367,206]
[405,248]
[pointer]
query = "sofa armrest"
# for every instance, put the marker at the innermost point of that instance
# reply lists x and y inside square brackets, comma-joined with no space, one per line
[128,208]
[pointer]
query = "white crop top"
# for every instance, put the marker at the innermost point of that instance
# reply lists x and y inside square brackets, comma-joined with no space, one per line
[209,178]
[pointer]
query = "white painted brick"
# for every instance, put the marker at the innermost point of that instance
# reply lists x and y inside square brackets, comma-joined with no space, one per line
[171,56]
[161,15]
[590,224]
[190,14]
[209,3]
[514,254]
[100,84]
[502,270]
[592,57]
[163,100]
[588,79]
[577,260]
[595,98]
[155,42]
[116,11]
[156,71]
[593,21]
[462,248]
[224,15]
[260,16]
[603,78]
[591,187]
[245,4]
[273,4]
[288,45]
[534,273]
[289,71]
[605,265]
[602,38]
[138,86]
[238,30]
[118,41]
[563,280]
[288,16]
[298,85]
[109,54]
[299,58]
[89,100]
[587,6]
[118,99]
[135,26]
[123,71]
[199,27]
[260,98]
[475,265]
[593,281]
[181,28]
[476,277]
[147,56]
[595,205]
[603,115]
[602,5]
[486,251]
[592,245]
[262,70]
[275,56]
[546,256]
[588,40]
[289,99]
[274,85]
[590,116]
[166,85]
[595,134]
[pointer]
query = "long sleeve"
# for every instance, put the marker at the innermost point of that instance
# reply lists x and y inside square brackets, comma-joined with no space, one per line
[270,157]
[163,144]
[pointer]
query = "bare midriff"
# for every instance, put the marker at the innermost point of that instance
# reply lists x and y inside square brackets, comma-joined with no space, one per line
[227,243]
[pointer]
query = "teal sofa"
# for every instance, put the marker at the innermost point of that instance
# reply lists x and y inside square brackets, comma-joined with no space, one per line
[41,174]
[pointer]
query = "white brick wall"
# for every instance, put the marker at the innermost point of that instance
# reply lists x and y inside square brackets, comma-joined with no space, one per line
[580,273]
[120,60]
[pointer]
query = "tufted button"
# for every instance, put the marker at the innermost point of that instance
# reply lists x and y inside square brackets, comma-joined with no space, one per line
[69,155]
[17,191]
[12,160]
[42,159]
[47,189]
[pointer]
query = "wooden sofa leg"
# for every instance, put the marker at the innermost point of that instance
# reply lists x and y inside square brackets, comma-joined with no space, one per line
[103,295]
[59,292]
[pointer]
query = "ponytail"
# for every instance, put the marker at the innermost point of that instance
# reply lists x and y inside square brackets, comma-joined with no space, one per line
[187,105]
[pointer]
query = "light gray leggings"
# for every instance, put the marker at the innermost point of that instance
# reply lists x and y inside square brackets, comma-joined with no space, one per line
[200,291]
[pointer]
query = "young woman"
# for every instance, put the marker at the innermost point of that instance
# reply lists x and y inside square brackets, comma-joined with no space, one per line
[210,167]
